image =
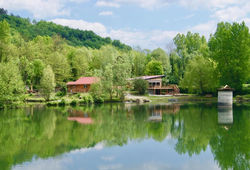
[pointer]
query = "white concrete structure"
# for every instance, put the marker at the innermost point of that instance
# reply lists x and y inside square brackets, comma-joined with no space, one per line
[225,96]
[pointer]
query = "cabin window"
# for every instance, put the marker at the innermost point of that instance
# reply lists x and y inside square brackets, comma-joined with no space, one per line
[85,86]
[158,83]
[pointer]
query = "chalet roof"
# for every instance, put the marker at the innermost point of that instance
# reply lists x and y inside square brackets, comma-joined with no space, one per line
[148,77]
[84,80]
[226,88]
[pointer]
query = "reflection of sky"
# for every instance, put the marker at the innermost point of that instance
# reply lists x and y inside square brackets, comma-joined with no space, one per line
[147,154]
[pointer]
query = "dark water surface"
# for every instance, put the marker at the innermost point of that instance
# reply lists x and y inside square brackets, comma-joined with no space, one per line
[125,136]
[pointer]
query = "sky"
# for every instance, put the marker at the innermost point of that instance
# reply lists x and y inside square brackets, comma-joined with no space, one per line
[148,24]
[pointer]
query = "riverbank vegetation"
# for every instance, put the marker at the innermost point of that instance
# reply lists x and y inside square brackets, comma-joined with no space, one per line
[38,56]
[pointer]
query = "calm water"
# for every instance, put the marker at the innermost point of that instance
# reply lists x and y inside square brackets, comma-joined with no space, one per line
[121,136]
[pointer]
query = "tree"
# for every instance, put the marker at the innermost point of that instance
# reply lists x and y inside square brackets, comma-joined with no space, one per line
[107,80]
[121,72]
[175,74]
[4,39]
[47,85]
[154,68]
[200,76]
[187,46]
[141,86]
[11,83]
[139,63]
[230,48]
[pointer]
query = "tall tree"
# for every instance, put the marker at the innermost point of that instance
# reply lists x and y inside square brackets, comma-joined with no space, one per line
[187,46]
[47,82]
[4,39]
[200,76]
[230,48]
[11,83]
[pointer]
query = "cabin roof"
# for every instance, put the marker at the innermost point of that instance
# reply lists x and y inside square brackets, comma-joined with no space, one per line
[84,80]
[148,77]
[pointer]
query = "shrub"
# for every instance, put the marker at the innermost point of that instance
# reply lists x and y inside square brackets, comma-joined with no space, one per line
[98,99]
[62,103]
[60,94]
[52,103]
[87,99]
[141,86]
[73,103]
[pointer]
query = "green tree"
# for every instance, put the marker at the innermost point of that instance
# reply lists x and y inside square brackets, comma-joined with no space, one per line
[47,85]
[175,74]
[4,39]
[139,63]
[187,46]
[141,86]
[200,76]
[11,83]
[121,72]
[154,68]
[107,80]
[230,48]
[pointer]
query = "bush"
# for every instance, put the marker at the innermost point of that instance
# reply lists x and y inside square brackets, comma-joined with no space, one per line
[87,99]
[52,103]
[141,86]
[60,94]
[98,99]
[73,103]
[62,103]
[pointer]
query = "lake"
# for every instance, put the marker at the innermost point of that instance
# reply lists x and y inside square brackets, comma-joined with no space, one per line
[126,136]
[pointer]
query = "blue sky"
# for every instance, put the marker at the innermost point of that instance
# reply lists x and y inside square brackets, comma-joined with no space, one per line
[145,23]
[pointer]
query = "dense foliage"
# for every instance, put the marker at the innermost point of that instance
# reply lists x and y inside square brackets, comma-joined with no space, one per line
[29,30]
[141,86]
[193,63]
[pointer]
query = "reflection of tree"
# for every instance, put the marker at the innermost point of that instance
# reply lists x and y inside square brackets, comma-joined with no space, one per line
[46,132]
[231,146]
[198,125]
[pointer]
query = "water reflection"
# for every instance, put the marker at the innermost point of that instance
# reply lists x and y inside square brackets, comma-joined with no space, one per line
[41,133]
[225,115]
[79,116]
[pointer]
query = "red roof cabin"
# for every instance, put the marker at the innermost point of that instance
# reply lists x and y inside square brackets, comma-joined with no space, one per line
[82,85]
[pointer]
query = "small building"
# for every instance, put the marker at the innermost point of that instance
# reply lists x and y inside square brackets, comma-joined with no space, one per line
[82,85]
[156,87]
[225,95]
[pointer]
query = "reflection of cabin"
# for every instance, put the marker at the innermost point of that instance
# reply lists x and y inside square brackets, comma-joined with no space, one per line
[79,116]
[156,111]
[82,85]
[155,85]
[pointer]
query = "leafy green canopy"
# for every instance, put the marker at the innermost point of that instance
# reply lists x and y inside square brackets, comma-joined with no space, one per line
[230,48]
[74,37]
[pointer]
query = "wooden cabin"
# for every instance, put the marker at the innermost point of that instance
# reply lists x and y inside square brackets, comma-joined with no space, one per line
[82,85]
[156,87]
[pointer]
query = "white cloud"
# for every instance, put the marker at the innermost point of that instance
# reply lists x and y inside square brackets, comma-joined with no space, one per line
[79,1]
[145,39]
[148,4]
[96,27]
[205,29]
[104,3]
[208,4]
[106,13]
[39,8]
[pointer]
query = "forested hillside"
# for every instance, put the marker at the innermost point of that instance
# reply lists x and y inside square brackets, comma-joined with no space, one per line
[44,55]
[75,37]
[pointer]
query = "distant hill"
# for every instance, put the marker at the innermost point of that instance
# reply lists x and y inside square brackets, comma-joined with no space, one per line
[75,37]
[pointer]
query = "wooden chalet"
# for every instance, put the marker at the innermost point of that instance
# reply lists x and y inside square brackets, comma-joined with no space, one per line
[82,85]
[156,87]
